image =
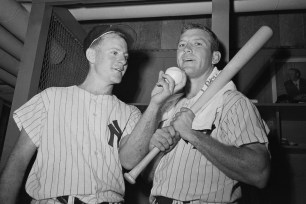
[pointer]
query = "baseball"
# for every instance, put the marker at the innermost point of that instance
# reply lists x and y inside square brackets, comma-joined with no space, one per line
[175,73]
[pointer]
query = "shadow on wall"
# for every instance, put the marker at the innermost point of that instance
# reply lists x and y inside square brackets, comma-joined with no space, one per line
[263,75]
[256,75]
[222,63]
[129,88]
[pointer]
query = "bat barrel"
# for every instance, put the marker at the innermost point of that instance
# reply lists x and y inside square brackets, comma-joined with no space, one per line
[237,62]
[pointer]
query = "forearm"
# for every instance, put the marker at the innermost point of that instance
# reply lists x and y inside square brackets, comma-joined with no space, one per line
[136,146]
[248,164]
[14,171]
[11,181]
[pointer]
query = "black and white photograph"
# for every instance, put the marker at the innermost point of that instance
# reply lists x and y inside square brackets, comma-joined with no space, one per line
[291,80]
[152,101]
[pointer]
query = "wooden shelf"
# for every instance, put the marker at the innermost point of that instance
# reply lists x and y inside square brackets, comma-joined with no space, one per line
[298,149]
[286,121]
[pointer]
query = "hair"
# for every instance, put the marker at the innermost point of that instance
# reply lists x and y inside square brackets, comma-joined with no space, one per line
[96,35]
[213,38]
[297,71]
[99,39]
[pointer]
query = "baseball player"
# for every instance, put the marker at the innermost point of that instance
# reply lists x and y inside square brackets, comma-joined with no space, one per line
[224,144]
[81,133]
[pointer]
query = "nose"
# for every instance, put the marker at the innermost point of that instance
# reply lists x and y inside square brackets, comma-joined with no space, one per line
[122,59]
[187,48]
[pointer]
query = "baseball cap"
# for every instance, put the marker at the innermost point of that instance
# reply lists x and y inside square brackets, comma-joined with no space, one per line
[128,33]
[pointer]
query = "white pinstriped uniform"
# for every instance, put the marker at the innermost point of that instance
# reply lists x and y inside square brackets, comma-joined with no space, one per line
[77,135]
[184,174]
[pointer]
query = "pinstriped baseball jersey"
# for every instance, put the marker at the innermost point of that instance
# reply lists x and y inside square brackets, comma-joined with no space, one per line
[185,174]
[77,134]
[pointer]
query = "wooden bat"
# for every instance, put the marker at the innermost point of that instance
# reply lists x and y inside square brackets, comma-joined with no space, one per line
[229,71]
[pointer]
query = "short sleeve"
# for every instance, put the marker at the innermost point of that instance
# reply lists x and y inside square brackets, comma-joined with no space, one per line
[243,124]
[134,117]
[31,117]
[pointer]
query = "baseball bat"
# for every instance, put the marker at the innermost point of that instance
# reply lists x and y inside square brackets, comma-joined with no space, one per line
[236,63]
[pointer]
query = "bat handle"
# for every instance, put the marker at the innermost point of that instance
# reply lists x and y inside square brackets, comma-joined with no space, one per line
[133,174]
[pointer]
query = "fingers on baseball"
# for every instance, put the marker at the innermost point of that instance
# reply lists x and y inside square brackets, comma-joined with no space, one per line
[165,81]
[170,81]
[160,78]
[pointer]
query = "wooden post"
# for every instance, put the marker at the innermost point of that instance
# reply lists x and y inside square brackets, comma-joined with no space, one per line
[29,70]
[220,24]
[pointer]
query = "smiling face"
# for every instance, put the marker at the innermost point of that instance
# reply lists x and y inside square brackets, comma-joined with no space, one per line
[109,58]
[194,53]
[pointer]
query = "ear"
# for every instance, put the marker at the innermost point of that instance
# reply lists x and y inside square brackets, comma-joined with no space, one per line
[216,57]
[91,55]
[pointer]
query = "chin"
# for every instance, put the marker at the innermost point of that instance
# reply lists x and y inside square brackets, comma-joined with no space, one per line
[187,68]
[117,80]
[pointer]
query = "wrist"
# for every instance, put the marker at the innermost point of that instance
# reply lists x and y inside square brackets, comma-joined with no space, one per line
[153,111]
[195,137]
[153,106]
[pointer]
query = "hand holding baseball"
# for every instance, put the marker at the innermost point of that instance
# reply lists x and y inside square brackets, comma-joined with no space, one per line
[175,73]
[179,77]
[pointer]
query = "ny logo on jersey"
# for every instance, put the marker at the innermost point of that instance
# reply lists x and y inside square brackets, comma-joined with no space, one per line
[114,130]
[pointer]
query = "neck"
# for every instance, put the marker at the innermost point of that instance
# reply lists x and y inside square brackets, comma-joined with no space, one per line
[194,85]
[96,88]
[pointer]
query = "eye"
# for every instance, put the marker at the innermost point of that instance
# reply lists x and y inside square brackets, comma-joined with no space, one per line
[198,43]
[115,53]
[181,45]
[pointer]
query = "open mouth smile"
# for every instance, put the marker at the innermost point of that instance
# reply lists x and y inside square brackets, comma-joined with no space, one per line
[187,60]
[119,69]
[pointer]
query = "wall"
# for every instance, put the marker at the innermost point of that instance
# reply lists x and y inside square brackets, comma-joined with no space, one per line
[157,41]
[155,50]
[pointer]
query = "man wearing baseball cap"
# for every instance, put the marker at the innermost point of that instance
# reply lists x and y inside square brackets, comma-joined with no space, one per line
[83,134]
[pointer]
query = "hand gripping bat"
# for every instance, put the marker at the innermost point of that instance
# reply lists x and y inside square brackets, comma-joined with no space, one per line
[230,70]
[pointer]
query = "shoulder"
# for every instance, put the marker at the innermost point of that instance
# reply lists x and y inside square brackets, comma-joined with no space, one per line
[232,96]
[233,100]
[52,90]
[236,106]
[50,93]
[123,105]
